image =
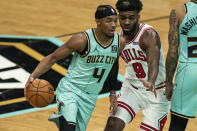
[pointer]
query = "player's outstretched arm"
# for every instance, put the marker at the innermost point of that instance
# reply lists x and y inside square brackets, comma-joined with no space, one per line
[151,44]
[172,55]
[75,43]
[111,83]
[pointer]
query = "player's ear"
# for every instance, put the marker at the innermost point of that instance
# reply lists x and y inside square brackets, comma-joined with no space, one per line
[98,22]
[138,16]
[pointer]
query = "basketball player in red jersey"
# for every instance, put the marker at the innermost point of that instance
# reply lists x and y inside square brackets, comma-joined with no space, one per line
[144,83]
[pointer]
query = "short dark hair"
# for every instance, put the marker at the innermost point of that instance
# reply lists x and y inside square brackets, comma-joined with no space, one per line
[129,5]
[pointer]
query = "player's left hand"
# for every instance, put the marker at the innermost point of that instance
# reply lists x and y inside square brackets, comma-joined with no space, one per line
[113,104]
[169,90]
[30,80]
[150,86]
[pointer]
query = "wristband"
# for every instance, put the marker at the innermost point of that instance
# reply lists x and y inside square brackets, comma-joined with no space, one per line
[112,95]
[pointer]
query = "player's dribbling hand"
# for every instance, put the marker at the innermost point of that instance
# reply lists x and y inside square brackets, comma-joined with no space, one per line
[113,104]
[169,91]
[150,86]
[30,80]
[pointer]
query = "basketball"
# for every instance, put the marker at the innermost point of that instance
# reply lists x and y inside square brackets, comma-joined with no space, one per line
[40,93]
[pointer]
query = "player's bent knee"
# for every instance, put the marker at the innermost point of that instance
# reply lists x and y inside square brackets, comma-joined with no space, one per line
[114,124]
[66,126]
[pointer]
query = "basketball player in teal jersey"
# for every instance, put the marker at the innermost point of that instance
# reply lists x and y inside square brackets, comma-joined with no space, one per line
[95,52]
[183,48]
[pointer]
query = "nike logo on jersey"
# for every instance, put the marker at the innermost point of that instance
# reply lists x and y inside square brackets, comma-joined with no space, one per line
[135,43]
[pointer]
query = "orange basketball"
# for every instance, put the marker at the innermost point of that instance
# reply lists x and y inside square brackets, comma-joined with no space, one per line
[40,93]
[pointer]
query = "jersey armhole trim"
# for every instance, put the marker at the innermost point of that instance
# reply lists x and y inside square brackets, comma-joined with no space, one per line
[142,35]
[85,52]
[185,8]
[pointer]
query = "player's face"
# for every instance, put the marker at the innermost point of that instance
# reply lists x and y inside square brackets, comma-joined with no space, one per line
[128,21]
[108,25]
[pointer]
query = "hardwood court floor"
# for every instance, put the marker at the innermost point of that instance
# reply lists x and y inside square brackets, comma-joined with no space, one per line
[37,121]
[54,18]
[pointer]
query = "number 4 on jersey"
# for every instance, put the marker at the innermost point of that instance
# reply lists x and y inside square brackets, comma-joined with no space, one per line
[99,76]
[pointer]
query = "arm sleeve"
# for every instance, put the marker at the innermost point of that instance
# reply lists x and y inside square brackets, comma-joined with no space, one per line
[111,81]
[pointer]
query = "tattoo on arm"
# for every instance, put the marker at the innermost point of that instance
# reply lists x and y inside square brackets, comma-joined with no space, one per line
[172,55]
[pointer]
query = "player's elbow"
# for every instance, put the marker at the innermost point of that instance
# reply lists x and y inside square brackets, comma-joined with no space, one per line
[52,58]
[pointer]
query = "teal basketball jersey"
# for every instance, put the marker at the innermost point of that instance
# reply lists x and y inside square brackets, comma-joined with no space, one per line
[89,72]
[188,34]
[184,95]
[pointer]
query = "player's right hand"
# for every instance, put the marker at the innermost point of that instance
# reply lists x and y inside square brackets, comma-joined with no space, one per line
[150,86]
[30,80]
[113,104]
